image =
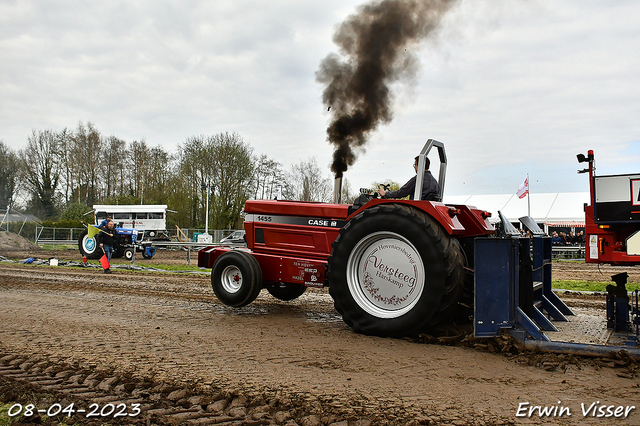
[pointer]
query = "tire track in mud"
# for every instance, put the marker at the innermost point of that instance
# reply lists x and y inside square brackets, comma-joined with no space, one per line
[48,383]
[52,386]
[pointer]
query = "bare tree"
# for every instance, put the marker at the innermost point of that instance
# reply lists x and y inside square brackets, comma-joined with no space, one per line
[268,177]
[305,182]
[139,157]
[195,163]
[233,176]
[66,149]
[115,166]
[86,164]
[224,165]
[347,194]
[157,175]
[8,175]
[40,164]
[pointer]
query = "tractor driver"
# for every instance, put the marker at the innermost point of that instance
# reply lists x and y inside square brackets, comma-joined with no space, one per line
[430,186]
[104,223]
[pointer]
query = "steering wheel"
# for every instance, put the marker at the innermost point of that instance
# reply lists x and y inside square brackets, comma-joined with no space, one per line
[382,186]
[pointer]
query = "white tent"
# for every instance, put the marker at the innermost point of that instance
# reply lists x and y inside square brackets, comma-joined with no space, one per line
[556,209]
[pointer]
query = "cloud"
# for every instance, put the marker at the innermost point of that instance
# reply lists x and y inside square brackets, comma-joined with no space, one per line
[510,87]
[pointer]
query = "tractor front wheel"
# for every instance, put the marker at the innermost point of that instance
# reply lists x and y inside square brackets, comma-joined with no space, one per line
[236,278]
[128,253]
[394,271]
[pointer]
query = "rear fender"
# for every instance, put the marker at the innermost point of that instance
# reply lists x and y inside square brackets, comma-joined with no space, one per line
[437,210]
[475,221]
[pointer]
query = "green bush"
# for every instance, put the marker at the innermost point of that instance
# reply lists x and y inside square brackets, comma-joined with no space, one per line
[76,212]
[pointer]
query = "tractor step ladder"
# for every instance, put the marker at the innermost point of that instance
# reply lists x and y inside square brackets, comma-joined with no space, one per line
[512,290]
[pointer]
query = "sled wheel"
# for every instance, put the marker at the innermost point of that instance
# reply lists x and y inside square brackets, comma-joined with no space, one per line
[89,246]
[286,291]
[236,278]
[128,253]
[394,271]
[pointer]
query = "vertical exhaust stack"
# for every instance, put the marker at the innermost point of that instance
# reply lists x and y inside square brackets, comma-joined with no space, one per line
[337,190]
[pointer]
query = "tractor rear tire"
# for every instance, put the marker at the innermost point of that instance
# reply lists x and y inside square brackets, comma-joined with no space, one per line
[236,278]
[286,291]
[89,246]
[395,272]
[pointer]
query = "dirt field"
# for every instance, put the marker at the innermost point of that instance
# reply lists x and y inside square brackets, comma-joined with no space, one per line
[161,344]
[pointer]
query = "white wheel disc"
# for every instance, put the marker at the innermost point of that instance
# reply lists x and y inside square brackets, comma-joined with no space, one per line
[385,275]
[231,279]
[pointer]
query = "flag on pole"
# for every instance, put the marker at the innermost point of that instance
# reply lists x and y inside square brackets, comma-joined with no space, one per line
[523,189]
[92,231]
[104,262]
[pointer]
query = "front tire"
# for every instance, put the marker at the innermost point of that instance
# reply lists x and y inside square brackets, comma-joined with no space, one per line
[128,253]
[394,271]
[236,278]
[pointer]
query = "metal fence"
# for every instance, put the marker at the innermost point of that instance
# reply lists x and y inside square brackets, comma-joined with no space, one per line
[57,236]
[568,252]
[69,236]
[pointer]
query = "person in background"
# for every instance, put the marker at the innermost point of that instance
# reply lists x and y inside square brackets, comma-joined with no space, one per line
[563,238]
[106,220]
[107,238]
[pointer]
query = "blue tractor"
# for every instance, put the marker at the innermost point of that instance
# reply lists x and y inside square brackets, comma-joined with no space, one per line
[127,242]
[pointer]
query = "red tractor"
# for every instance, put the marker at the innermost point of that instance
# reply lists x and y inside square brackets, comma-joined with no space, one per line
[393,267]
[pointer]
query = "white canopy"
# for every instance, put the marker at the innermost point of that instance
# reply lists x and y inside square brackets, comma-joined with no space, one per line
[562,209]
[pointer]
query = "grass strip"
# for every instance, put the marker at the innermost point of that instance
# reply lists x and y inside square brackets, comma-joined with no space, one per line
[582,285]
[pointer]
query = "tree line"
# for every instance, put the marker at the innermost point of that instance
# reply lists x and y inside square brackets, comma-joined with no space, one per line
[62,174]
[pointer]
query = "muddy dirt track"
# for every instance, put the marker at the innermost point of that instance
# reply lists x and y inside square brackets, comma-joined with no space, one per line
[161,344]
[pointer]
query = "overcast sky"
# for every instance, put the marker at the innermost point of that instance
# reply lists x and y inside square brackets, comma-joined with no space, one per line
[511,87]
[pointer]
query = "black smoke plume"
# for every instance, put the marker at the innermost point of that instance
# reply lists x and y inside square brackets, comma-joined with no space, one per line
[376,45]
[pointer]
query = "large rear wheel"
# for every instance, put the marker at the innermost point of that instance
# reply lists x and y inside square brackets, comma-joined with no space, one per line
[236,278]
[394,271]
[89,246]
